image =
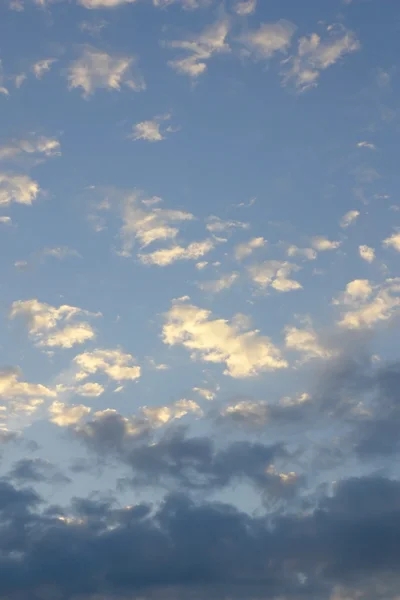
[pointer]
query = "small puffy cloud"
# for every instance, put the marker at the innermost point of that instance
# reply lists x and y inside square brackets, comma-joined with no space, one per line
[17,188]
[315,55]
[95,69]
[65,415]
[54,327]
[3,90]
[322,244]
[145,222]
[308,253]
[217,225]
[367,145]
[305,341]
[201,265]
[158,416]
[247,248]
[392,242]
[117,365]
[349,218]
[247,411]
[60,252]
[40,68]
[218,285]
[368,305]
[245,7]
[5,220]
[206,393]
[367,253]
[167,256]
[41,145]
[89,389]
[245,353]
[200,49]
[152,131]
[274,273]
[21,396]
[269,38]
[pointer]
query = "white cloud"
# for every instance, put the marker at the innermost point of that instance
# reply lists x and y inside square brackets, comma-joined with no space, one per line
[117,365]
[145,222]
[349,218]
[368,145]
[158,416]
[206,393]
[368,304]
[3,90]
[19,80]
[103,3]
[17,188]
[217,225]
[246,249]
[218,285]
[150,131]
[96,70]
[367,253]
[42,67]
[41,145]
[322,244]
[167,256]
[54,327]
[245,7]
[315,55]
[274,273]
[5,220]
[245,353]
[392,242]
[60,252]
[201,265]
[254,413]
[200,49]
[307,253]
[269,38]
[90,390]
[186,4]
[306,342]
[21,396]
[63,415]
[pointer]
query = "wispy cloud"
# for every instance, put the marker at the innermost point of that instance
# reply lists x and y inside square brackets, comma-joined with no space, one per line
[17,188]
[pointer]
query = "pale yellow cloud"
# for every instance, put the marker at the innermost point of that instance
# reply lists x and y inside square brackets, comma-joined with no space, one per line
[158,416]
[217,225]
[365,305]
[17,188]
[349,218]
[152,130]
[21,396]
[269,38]
[40,145]
[245,353]
[247,248]
[218,285]
[65,415]
[274,273]
[393,241]
[244,8]
[308,253]
[117,365]
[367,253]
[206,392]
[322,244]
[167,256]
[40,68]
[306,342]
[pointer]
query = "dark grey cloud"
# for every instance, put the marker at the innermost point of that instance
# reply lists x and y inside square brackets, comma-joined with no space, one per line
[37,470]
[186,549]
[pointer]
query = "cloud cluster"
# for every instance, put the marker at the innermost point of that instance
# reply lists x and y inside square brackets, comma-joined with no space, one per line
[17,188]
[275,274]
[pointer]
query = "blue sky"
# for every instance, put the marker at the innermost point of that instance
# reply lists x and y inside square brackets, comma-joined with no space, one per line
[199,242]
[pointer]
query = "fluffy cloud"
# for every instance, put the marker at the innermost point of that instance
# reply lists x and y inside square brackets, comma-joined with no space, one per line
[274,273]
[315,55]
[21,396]
[368,305]
[167,256]
[5,220]
[145,222]
[218,285]
[63,415]
[41,145]
[245,7]
[54,327]
[366,145]
[367,253]
[158,416]
[322,244]
[40,68]
[305,341]
[151,131]
[307,253]
[349,218]
[96,69]
[269,39]
[245,353]
[117,365]
[392,242]
[17,188]
[247,248]
[200,49]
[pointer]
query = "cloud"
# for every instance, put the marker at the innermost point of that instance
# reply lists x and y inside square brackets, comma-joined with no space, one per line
[40,145]
[367,253]
[244,352]
[217,225]
[269,38]
[206,393]
[3,90]
[307,253]
[368,304]
[200,49]
[322,244]
[366,145]
[247,248]
[167,256]
[5,220]
[218,285]
[349,218]
[90,390]
[40,68]
[150,131]
[161,415]
[36,470]
[305,341]
[245,7]
[117,365]
[274,273]
[52,327]
[17,188]
[315,55]
[147,223]
[21,396]
[92,4]
[60,252]
[392,242]
[63,415]
[96,70]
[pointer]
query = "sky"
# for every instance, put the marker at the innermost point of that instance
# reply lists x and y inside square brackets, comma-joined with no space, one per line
[200,300]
